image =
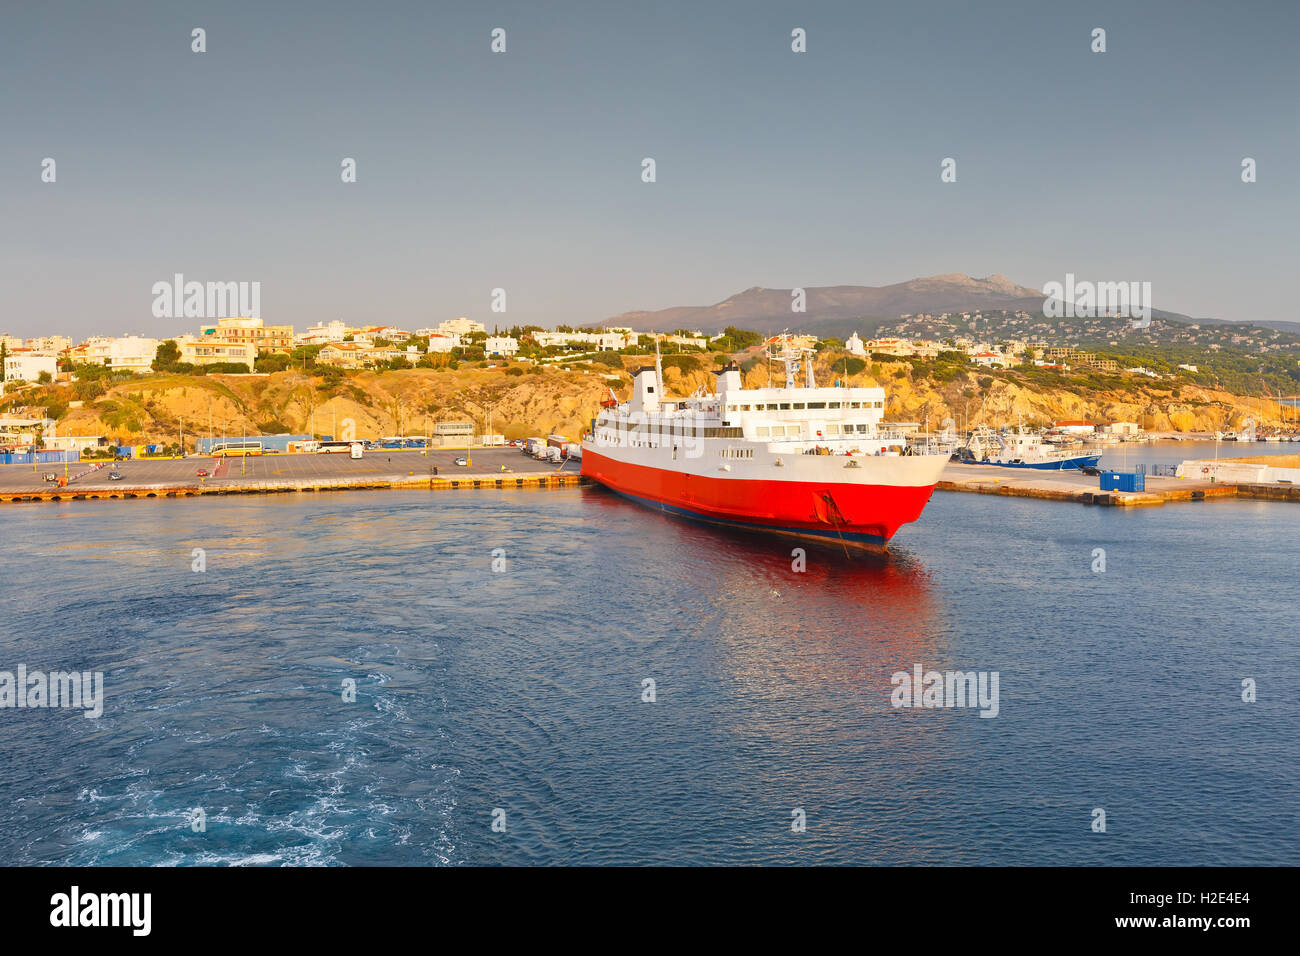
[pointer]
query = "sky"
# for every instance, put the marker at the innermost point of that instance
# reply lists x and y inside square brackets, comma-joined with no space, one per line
[522,170]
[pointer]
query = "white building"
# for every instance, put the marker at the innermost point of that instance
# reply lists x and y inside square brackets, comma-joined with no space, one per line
[501,345]
[461,326]
[204,351]
[130,352]
[854,345]
[27,366]
[50,343]
[322,333]
[606,341]
[23,431]
[442,343]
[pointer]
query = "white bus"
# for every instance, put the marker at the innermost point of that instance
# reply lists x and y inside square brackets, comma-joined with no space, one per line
[232,449]
[341,447]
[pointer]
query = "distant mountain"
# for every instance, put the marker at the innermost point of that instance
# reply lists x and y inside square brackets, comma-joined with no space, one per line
[842,309]
[1292,327]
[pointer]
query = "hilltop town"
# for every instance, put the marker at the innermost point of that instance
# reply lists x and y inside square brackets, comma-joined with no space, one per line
[242,376]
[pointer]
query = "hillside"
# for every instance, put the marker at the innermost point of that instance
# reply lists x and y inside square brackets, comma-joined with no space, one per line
[378,403]
[556,400]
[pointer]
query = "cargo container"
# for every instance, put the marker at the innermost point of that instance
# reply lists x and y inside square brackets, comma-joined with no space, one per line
[1123,481]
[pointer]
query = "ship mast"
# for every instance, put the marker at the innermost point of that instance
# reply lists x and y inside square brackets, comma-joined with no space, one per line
[659,372]
[791,357]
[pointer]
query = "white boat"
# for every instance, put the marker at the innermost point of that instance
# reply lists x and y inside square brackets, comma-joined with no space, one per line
[1021,449]
[813,463]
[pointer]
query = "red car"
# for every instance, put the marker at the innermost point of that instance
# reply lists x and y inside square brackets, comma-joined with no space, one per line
[201,473]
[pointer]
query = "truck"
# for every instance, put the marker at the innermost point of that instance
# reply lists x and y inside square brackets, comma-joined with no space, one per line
[567,449]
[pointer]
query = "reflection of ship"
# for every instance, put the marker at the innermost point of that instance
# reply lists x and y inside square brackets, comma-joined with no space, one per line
[1020,449]
[803,462]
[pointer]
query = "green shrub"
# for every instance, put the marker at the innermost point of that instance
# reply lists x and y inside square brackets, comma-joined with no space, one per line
[684,363]
[612,359]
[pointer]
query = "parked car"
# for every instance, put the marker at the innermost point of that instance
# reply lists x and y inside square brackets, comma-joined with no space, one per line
[201,473]
[461,461]
[50,476]
[114,476]
[1092,470]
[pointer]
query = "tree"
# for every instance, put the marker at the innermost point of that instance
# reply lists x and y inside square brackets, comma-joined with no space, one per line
[167,356]
[272,362]
[44,378]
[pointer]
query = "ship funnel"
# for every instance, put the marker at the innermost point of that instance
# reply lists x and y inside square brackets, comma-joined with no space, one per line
[645,390]
[729,380]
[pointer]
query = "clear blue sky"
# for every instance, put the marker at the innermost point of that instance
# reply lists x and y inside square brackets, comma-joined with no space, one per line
[522,170]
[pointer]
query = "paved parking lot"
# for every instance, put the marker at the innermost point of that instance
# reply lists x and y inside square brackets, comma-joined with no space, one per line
[381,464]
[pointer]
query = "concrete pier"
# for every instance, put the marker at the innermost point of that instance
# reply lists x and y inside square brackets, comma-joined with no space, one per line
[276,474]
[408,469]
[1084,489]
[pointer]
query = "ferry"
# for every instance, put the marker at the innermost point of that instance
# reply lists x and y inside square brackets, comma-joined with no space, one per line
[1021,449]
[802,462]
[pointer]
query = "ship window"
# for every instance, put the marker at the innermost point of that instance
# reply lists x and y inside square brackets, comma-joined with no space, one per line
[785,406]
[799,405]
[832,429]
[763,431]
[832,404]
[744,408]
[816,404]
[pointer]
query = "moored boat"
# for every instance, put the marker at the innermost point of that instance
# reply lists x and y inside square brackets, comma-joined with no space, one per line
[802,462]
[1021,449]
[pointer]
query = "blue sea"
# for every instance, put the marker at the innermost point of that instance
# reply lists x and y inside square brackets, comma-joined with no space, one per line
[515,695]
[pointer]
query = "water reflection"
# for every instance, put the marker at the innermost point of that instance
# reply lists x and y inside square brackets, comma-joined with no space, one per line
[840,621]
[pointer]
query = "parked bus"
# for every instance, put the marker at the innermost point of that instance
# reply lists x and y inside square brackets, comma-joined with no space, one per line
[236,449]
[331,447]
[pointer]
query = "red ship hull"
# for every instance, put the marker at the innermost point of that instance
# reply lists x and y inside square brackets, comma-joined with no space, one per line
[861,515]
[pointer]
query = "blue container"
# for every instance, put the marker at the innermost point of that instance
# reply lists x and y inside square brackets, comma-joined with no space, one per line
[126,451]
[1123,481]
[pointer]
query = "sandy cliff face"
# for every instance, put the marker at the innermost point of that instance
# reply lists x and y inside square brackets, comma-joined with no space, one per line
[378,404]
